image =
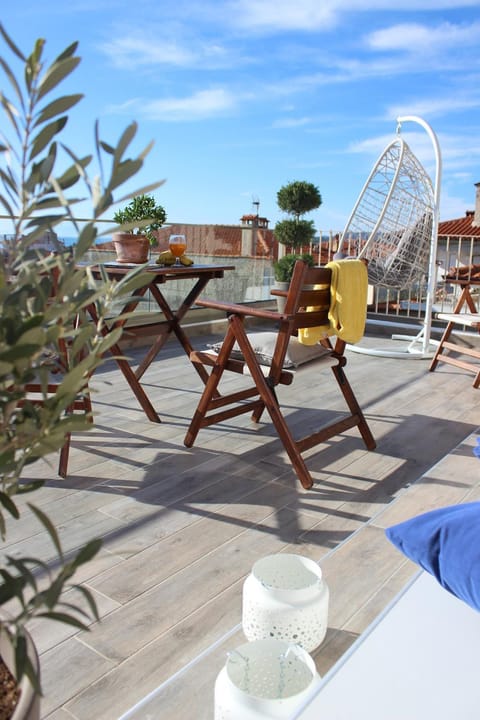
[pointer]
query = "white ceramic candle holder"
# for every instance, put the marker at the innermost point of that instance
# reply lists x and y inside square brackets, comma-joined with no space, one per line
[285,597]
[264,679]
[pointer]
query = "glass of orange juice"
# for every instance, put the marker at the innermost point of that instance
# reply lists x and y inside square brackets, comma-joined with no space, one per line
[178,245]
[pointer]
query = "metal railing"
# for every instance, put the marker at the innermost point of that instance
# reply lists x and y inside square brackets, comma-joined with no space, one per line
[253,276]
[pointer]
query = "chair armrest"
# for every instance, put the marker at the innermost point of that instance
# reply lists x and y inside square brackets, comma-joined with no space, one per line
[244,310]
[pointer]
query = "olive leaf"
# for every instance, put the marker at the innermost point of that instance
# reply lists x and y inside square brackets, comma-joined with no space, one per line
[45,326]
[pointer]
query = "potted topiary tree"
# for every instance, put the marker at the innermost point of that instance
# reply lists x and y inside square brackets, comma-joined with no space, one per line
[283,270]
[139,220]
[296,199]
[40,298]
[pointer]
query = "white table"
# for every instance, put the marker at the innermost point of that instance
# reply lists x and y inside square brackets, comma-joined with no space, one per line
[418,661]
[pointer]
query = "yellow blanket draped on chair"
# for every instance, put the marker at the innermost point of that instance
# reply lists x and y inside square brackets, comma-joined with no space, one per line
[348,304]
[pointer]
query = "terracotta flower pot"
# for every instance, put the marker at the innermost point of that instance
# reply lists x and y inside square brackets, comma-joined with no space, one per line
[131,248]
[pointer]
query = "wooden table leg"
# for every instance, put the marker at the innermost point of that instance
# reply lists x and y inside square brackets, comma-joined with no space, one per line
[128,373]
[172,324]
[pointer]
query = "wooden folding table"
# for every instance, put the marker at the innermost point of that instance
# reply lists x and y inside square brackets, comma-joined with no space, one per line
[202,274]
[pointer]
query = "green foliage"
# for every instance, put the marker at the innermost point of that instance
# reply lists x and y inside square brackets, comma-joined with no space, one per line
[142,216]
[41,594]
[295,233]
[41,297]
[283,268]
[298,198]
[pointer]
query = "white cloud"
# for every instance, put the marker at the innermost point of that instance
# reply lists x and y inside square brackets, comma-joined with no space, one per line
[200,105]
[273,15]
[375,145]
[173,46]
[374,5]
[459,152]
[131,52]
[434,107]
[452,206]
[424,38]
[291,122]
[313,15]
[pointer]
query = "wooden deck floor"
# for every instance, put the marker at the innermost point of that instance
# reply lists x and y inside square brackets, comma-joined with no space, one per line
[182,528]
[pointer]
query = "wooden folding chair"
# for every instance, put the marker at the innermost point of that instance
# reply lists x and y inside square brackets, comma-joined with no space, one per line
[37,392]
[56,361]
[309,288]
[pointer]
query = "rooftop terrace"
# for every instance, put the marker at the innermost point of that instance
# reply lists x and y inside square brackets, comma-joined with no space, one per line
[182,527]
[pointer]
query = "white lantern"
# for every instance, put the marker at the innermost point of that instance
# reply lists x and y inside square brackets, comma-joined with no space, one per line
[285,597]
[264,679]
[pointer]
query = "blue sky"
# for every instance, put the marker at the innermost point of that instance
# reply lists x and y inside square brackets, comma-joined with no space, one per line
[243,96]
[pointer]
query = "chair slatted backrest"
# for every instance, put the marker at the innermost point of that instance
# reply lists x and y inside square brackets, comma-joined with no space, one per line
[311,297]
[307,306]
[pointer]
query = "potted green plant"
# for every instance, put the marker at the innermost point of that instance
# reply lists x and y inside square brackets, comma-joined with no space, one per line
[283,267]
[139,220]
[41,295]
[282,272]
[296,199]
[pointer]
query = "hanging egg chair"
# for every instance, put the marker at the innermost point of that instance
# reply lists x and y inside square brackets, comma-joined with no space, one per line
[392,220]
[394,226]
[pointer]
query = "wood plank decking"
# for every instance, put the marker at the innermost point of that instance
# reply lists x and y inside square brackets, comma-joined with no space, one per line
[182,528]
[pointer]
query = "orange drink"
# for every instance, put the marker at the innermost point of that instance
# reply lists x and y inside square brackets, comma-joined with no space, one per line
[178,245]
[178,248]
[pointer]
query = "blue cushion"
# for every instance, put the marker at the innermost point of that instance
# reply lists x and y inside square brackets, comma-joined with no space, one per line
[445,543]
[476,449]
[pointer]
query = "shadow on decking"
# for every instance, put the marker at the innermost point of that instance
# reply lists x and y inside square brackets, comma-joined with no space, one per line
[351,484]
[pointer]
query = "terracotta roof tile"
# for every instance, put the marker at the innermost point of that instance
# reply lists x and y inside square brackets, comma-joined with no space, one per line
[459,227]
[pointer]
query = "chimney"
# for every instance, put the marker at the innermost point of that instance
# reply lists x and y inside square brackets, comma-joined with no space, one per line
[476,217]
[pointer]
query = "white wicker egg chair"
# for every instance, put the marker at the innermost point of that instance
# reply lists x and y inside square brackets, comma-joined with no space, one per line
[394,213]
[394,226]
